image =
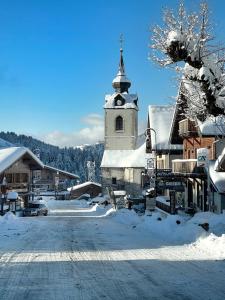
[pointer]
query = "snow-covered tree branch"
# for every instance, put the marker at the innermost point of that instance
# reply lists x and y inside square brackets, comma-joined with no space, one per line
[186,37]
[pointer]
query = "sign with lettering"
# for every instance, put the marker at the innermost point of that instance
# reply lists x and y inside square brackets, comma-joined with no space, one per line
[202,157]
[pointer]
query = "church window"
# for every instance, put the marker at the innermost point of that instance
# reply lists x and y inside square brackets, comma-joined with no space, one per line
[119,123]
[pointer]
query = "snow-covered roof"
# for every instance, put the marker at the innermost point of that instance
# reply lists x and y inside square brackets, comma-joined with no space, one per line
[8,156]
[125,158]
[161,117]
[213,126]
[5,144]
[61,171]
[87,183]
[218,178]
[129,100]
[12,195]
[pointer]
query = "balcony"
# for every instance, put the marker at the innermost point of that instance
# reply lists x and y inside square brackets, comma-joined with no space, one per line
[187,128]
[186,166]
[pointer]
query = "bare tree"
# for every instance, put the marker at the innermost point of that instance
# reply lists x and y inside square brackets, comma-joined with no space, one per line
[187,37]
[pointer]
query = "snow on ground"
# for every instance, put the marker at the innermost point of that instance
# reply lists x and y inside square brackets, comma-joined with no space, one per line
[96,252]
[10,222]
[179,230]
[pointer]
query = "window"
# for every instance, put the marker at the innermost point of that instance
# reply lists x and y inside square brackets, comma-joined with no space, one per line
[119,123]
[113,180]
[9,178]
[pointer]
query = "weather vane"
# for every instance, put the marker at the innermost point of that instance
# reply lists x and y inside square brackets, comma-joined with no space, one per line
[121,41]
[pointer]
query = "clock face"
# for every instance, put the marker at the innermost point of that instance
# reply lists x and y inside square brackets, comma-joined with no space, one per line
[119,102]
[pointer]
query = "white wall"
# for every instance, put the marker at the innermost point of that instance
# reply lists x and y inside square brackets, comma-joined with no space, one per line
[126,138]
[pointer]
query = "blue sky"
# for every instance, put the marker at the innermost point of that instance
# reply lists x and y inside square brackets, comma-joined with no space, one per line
[58,59]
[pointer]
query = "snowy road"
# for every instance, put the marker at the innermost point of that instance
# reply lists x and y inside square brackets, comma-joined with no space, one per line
[77,255]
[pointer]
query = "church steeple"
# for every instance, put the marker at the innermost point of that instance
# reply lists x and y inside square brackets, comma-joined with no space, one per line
[121,84]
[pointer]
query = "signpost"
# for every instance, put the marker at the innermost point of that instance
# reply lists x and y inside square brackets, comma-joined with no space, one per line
[151,171]
[172,202]
[203,161]
[202,157]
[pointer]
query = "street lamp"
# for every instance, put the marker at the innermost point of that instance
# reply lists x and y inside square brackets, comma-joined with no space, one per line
[147,134]
[3,194]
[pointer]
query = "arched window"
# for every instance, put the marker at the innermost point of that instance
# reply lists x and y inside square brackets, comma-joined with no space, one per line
[119,123]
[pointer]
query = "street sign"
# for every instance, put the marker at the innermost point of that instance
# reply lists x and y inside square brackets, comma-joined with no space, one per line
[150,163]
[202,157]
[176,185]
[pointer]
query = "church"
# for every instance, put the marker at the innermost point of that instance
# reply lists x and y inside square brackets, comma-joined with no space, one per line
[124,159]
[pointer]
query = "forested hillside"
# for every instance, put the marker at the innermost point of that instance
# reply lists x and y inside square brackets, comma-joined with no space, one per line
[70,159]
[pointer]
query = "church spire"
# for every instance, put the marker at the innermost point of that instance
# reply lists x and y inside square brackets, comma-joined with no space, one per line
[121,84]
[121,64]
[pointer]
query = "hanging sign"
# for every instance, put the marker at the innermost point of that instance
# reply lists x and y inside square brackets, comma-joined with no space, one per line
[202,157]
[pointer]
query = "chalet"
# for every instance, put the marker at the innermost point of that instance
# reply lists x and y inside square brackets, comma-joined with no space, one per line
[50,178]
[93,189]
[195,135]
[159,124]
[157,141]
[17,166]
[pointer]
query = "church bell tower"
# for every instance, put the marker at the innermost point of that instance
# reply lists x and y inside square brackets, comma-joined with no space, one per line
[121,113]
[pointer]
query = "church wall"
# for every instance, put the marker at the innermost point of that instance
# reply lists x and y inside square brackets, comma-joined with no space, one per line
[126,138]
[128,179]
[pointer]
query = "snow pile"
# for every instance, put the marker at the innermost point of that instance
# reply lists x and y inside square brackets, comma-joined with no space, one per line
[177,229]
[8,218]
[11,224]
[127,217]
[212,244]
[216,222]
[172,228]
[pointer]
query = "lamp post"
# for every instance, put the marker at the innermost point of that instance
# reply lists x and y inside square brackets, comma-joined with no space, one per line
[3,194]
[147,134]
[56,184]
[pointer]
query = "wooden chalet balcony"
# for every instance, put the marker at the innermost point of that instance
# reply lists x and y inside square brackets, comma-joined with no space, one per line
[186,166]
[187,128]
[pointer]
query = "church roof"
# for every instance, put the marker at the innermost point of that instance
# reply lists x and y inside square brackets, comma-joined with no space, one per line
[130,100]
[125,158]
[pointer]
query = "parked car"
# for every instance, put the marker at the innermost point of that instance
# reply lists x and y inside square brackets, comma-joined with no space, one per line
[35,209]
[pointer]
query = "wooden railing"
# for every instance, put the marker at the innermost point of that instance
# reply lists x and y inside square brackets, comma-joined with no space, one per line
[185,166]
[187,128]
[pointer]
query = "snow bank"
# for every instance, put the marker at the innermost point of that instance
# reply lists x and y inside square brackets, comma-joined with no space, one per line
[177,229]
[8,218]
[53,204]
[125,216]
[11,225]
[212,244]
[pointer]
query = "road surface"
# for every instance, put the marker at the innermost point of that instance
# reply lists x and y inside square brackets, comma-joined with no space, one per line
[74,254]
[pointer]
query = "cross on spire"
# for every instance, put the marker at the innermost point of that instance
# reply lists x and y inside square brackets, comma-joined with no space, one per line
[121,41]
